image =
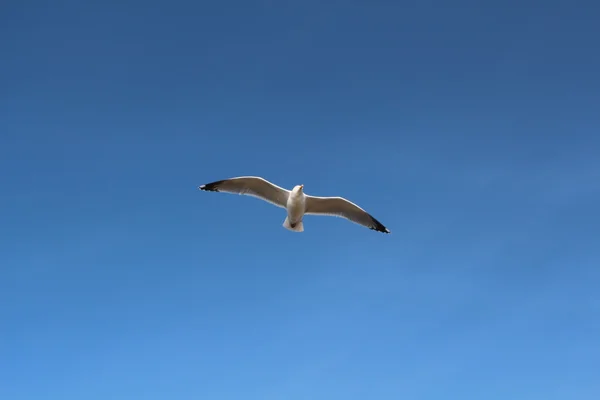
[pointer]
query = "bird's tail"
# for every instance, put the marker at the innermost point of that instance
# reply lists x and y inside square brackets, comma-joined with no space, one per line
[298,226]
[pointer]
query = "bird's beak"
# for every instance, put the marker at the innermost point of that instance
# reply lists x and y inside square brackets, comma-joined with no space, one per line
[301,186]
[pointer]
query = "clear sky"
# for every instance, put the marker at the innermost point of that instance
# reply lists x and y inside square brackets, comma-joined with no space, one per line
[469,128]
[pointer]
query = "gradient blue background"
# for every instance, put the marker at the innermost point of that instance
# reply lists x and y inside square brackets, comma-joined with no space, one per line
[470,129]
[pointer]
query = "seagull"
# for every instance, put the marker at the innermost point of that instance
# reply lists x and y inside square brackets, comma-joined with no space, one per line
[296,202]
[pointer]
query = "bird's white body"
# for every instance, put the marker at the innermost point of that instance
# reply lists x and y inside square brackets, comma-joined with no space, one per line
[295,201]
[296,207]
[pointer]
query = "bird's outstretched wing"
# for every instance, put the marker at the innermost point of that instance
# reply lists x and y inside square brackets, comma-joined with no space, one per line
[252,186]
[340,207]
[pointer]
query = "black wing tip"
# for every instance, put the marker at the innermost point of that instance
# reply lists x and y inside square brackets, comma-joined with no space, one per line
[211,187]
[381,229]
[378,226]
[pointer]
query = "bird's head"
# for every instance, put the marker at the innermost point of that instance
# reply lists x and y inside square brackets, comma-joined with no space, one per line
[298,188]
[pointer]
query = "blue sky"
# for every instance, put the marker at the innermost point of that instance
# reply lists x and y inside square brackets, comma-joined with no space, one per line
[470,130]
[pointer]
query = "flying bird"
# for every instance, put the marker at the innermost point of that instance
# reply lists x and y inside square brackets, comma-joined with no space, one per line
[296,202]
